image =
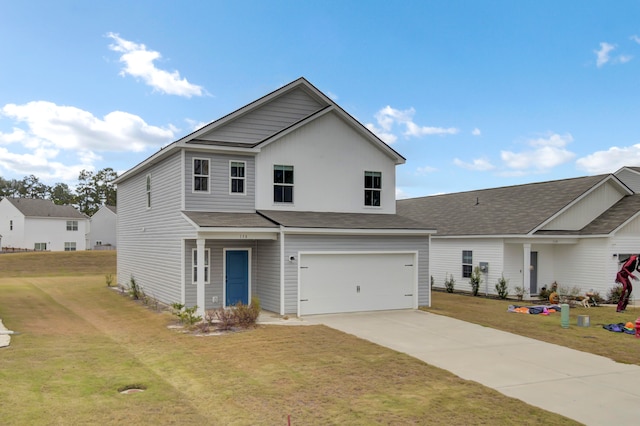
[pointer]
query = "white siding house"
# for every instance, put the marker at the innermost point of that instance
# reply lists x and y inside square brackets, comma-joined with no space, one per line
[573,232]
[102,232]
[281,199]
[33,224]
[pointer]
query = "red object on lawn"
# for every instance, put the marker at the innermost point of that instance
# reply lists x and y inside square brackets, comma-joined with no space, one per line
[638,327]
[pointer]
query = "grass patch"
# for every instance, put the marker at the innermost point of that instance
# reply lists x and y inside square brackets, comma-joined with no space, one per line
[81,342]
[493,313]
[38,264]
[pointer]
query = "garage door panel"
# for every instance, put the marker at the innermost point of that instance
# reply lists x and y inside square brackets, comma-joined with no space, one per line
[331,283]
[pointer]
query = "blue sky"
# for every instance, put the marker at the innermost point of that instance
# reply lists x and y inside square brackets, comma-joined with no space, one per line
[475,94]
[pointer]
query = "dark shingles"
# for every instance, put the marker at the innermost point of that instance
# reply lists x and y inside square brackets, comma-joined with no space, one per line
[293,219]
[31,207]
[512,210]
[229,220]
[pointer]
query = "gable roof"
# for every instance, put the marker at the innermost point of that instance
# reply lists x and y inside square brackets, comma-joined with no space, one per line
[329,220]
[31,207]
[511,210]
[298,102]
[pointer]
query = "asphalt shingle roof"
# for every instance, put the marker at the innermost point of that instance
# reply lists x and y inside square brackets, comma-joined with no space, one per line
[293,219]
[511,210]
[31,207]
[229,220]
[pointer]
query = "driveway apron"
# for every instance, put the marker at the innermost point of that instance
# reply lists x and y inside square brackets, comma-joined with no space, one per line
[591,389]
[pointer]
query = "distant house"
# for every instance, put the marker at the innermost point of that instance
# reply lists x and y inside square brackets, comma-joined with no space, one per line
[289,199]
[102,232]
[572,231]
[34,224]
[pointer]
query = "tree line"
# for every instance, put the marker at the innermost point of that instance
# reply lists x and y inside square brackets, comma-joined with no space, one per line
[92,191]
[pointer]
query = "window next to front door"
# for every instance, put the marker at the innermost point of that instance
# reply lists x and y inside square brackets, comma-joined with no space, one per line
[467,263]
[194,265]
[282,184]
[372,188]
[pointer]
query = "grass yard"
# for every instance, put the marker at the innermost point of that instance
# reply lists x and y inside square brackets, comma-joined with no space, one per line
[80,342]
[493,313]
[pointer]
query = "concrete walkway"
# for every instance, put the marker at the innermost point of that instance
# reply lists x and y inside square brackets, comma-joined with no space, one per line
[588,388]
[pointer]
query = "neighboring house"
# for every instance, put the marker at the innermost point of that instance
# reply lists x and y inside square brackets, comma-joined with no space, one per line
[102,233]
[34,224]
[289,199]
[571,231]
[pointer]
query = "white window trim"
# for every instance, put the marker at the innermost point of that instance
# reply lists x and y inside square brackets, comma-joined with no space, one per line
[244,178]
[466,264]
[194,176]
[70,246]
[292,185]
[40,249]
[207,265]
[70,225]
[373,189]
[147,191]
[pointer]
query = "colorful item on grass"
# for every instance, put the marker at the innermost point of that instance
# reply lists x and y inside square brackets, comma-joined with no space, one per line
[535,310]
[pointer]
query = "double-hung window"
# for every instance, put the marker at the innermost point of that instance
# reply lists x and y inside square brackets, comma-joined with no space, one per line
[237,177]
[72,225]
[69,246]
[148,191]
[372,188]
[282,184]
[194,265]
[200,175]
[467,263]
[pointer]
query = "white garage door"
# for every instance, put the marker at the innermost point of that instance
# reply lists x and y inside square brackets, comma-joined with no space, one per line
[331,283]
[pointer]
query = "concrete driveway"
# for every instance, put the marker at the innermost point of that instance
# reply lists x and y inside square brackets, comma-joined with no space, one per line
[588,388]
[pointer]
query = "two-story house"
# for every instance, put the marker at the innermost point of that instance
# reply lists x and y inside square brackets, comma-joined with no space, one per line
[289,199]
[34,224]
[103,232]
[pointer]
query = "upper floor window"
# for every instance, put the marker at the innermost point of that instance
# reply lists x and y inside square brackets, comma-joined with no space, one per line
[237,176]
[10,225]
[194,265]
[372,188]
[71,246]
[467,263]
[283,184]
[200,175]
[148,191]
[72,225]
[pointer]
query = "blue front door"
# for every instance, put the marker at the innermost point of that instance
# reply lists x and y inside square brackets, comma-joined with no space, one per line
[237,279]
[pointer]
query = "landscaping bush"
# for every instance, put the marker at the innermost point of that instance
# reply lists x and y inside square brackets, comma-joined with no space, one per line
[186,315]
[240,315]
[613,296]
[449,284]
[134,290]
[502,287]
[248,314]
[475,280]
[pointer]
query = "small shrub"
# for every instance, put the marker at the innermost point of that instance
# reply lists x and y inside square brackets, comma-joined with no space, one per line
[109,279]
[614,294]
[134,290]
[475,280]
[248,314]
[502,287]
[187,316]
[226,318]
[449,284]
[520,292]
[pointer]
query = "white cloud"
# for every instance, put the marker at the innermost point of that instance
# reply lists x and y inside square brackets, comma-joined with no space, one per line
[476,132]
[388,118]
[139,62]
[635,38]
[479,164]
[49,131]
[623,59]
[610,160]
[421,171]
[548,152]
[603,54]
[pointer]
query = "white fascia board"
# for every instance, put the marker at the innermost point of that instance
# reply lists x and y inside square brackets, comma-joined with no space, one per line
[237,234]
[612,178]
[333,231]
[623,224]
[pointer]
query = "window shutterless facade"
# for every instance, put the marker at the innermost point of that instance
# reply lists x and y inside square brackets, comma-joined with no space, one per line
[72,225]
[200,175]
[467,263]
[40,246]
[372,188]
[237,177]
[282,184]
[148,191]
[70,246]
[194,265]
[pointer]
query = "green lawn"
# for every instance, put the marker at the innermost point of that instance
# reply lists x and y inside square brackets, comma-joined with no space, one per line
[80,342]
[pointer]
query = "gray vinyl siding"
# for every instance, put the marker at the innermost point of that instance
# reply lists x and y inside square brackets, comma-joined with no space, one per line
[268,284]
[297,243]
[219,198]
[268,119]
[216,265]
[150,240]
[630,178]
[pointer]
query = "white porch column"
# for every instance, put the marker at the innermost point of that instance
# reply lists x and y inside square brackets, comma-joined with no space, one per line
[200,275]
[526,272]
